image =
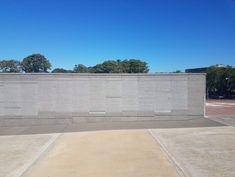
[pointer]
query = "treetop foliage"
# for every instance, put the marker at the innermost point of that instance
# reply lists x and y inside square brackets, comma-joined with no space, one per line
[115,66]
[60,70]
[10,66]
[38,63]
[80,68]
[35,63]
[221,80]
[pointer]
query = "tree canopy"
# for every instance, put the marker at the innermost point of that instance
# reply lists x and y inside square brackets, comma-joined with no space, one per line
[39,63]
[60,70]
[115,66]
[35,63]
[10,66]
[80,68]
[221,81]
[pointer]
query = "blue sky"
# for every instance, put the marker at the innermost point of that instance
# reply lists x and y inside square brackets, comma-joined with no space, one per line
[168,34]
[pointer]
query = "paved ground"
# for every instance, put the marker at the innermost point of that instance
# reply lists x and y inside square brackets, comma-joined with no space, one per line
[119,153]
[204,152]
[171,148]
[18,152]
[77,127]
[222,111]
[220,107]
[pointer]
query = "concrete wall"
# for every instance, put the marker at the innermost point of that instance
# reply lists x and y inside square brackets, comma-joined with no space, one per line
[74,98]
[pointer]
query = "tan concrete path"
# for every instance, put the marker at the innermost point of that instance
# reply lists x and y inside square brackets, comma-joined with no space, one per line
[123,153]
[200,152]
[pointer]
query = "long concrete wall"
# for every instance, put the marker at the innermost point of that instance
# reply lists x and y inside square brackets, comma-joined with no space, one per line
[73,98]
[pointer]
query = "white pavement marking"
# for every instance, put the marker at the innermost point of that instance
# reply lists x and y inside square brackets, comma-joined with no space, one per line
[220,104]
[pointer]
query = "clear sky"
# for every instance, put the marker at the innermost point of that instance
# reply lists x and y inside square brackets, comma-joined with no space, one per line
[168,34]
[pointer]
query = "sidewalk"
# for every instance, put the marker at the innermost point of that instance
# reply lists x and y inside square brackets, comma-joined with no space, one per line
[122,153]
[174,152]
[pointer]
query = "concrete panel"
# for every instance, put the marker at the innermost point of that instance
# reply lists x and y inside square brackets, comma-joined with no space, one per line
[64,96]
[130,96]
[46,96]
[97,94]
[147,96]
[80,97]
[196,94]
[203,152]
[163,96]
[19,152]
[179,91]
[101,97]
[104,154]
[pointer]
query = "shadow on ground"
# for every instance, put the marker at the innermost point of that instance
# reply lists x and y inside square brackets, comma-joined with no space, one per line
[77,127]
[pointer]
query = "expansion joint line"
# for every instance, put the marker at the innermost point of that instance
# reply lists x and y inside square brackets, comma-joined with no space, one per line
[170,157]
[45,148]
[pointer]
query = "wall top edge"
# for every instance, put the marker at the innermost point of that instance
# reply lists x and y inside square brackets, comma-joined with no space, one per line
[106,74]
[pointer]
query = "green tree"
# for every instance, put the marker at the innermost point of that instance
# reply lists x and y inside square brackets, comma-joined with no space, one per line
[220,80]
[91,69]
[98,68]
[118,66]
[230,80]
[35,63]
[110,66]
[115,66]
[178,71]
[10,66]
[138,66]
[211,80]
[80,69]
[124,66]
[60,70]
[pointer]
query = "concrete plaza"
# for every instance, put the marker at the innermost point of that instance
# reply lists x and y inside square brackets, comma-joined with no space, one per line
[206,151]
[200,147]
